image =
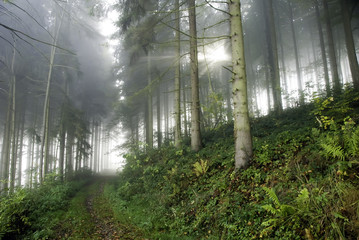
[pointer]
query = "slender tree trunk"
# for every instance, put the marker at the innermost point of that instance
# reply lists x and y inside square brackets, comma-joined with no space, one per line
[95,146]
[349,43]
[149,122]
[296,55]
[69,154]
[62,143]
[46,112]
[21,142]
[313,52]
[282,59]
[196,142]
[273,56]
[331,49]
[5,153]
[98,143]
[159,125]
[33,142]
[37,160]
[184,100]
[242,133]
[178,138]
[165,112]
[322,48]
[93,134]
[13,124]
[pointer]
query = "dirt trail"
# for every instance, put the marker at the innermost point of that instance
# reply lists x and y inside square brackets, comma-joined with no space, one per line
[106,226]
[100,222]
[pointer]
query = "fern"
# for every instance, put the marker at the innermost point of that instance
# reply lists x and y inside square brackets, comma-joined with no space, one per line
[303,198]
[200,168]
[333,150]
[351,140]
[272,195]
[270,208]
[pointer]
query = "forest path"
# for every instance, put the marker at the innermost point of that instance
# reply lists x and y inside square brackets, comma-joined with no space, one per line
[90,216]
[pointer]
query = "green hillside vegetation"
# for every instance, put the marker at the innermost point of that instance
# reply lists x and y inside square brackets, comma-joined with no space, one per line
[301,184]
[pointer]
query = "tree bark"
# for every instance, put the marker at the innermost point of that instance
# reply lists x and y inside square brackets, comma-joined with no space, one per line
[46,112]
[331,50]
[13,124]
[149,122]
[159,125]
[21,142]
[178,138]
[322,48]
[196,142]
[242,133]
[273,56]
[349,43]
[296,55]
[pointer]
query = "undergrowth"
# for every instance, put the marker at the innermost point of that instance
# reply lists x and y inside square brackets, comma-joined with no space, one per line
[301,184]
[35,213]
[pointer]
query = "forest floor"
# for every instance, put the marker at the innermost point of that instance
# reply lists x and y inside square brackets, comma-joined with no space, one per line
[91,217]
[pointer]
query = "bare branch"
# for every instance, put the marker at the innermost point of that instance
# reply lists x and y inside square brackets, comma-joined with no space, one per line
[220,10]
[17,32]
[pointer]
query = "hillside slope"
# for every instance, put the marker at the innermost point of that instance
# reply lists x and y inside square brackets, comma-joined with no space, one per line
[301,184]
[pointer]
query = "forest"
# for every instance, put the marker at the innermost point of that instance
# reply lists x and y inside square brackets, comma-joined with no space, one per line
[179,119]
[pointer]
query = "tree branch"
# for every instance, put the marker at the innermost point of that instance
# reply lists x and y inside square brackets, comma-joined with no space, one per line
[17,32]
[220,10]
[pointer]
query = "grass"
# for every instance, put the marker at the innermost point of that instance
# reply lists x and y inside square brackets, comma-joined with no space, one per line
[77,222]
[300,184]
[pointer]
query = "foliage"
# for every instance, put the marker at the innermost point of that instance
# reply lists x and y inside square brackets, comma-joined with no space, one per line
[200,168]
[300,184]
[33,213]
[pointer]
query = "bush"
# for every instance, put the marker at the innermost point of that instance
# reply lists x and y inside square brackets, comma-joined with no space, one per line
[33,213]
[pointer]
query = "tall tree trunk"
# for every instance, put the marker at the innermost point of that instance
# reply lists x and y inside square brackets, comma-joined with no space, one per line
[322,48]
[62,143]
[13,124]
[282,59]
[296,55]
[331,49]
[46,112]
[95,151]
[184,100]
[196,141]
[149,122]
[21,142]
[69,154]
[242,133]
[349,43]
[34,139]
[178,138]
[159,125]
[166,112]
[273,56]
[98,144]
[93,134]
[5,153]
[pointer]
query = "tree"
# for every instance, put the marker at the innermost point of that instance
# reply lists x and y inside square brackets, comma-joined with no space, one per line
[44,161]
[273,55]
[296,54]
[242,133]
[322,47]
[349,43]
[178,141]
[196,142]
[331,49]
